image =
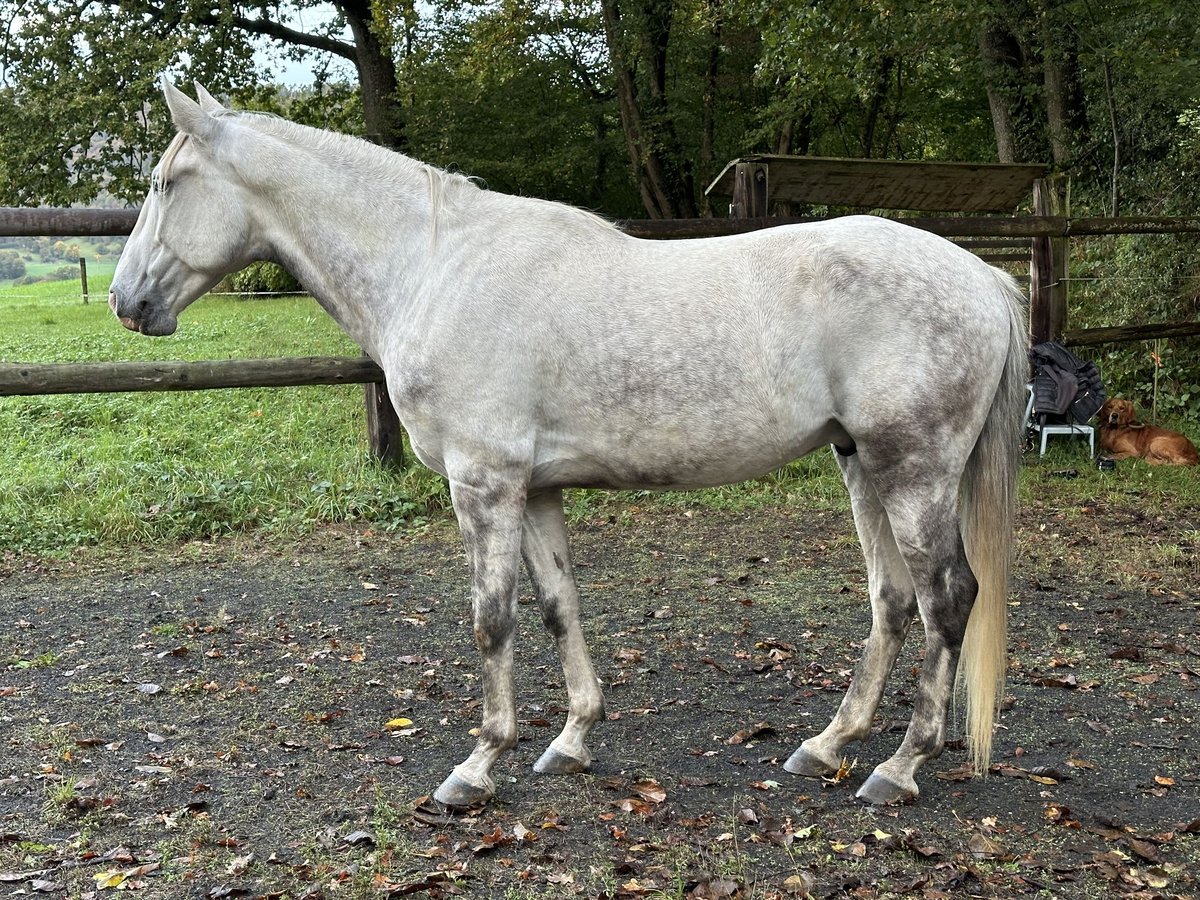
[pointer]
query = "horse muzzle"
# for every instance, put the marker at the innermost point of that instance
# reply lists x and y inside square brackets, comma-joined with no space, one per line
[142,316]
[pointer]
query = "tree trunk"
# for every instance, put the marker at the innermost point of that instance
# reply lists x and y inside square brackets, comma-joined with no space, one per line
[382,113]
[664,177]
[1116,135]
[993,41]
[883,77]
[708,164]
[1055,63]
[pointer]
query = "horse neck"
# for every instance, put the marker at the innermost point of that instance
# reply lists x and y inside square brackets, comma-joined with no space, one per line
[355,230]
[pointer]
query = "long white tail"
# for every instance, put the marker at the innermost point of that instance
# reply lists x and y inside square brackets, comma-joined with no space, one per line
[989,499]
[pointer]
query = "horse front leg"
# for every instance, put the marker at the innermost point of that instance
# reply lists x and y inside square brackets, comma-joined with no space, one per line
[548,560]
[489,517]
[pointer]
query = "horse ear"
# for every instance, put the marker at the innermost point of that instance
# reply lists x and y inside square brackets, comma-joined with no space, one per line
[208,102]
[186,113]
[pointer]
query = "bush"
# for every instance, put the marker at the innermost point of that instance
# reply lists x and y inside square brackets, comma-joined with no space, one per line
[11,264]
[1132,279]
[260,278]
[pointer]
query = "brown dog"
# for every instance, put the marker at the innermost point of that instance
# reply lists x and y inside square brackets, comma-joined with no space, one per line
[1122,437]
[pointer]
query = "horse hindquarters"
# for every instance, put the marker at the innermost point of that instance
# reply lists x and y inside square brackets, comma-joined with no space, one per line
[906,513]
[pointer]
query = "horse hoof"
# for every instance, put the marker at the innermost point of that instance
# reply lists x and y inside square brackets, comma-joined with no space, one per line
[458,793]
[554,762]
[880,791]
[807,764]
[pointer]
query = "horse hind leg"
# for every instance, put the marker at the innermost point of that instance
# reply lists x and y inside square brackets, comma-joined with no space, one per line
[893,607]
[926,527]
[548,560]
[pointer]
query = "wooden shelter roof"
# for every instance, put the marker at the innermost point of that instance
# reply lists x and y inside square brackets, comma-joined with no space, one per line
[891,184]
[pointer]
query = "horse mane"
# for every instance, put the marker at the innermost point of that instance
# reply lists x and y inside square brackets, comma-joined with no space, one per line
[444,187]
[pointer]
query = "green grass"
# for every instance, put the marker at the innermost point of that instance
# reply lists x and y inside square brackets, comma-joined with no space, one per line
[115,469]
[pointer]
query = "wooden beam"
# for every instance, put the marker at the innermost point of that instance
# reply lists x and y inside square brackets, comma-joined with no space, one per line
[889,184]
[947,226]
[1124,333]
[27,379]
[52,222]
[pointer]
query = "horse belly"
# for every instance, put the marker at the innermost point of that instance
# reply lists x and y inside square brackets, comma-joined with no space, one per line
[671,458]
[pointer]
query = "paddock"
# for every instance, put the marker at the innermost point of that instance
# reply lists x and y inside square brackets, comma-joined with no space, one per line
[233,719]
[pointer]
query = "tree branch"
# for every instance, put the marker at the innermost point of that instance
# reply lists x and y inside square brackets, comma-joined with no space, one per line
[272,29]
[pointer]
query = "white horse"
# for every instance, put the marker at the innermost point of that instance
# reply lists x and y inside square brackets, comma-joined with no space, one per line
[529,347]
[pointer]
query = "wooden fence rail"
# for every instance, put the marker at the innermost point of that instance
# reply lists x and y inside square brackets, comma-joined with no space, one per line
[29,379]
[23,222]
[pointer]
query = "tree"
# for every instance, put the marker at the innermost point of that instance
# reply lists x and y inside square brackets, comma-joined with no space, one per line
[11,265]
[75,108]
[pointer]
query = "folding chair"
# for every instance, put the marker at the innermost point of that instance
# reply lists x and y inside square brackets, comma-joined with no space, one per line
[1045,429]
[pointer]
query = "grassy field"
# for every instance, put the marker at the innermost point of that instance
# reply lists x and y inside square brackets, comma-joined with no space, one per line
[114,469]
[109,470]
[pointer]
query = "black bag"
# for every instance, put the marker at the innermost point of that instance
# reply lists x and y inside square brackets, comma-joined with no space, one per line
[1064,385]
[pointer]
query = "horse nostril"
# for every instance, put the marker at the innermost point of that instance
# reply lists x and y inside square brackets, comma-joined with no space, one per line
[112,301]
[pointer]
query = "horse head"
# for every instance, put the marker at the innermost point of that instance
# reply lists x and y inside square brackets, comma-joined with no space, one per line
[195,226]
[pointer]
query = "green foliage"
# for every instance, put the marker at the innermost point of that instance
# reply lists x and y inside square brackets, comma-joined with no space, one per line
[11,264]
[262,278]
[525,93]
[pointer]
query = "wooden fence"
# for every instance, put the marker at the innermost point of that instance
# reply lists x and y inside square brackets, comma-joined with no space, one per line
[18,378]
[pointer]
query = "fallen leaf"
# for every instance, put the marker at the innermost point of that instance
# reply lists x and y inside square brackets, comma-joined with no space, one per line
[983,847]
[7,877]
[108,879]
[1144,849]
[754,731]
[715,889]
[239,864]
[650,790]
[843,772]
[489,842]
[397,724]
[800,884]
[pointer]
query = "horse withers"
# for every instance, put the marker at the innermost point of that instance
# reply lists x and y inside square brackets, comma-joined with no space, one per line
[530,347]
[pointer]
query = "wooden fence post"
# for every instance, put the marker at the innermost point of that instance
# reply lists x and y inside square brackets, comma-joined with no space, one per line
[384,435]
[83,278]
[1048,269]
[749,191]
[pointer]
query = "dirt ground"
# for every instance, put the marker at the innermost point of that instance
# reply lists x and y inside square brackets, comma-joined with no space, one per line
[224,720]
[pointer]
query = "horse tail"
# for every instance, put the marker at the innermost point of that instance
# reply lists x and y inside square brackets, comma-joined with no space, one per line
[989,499]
